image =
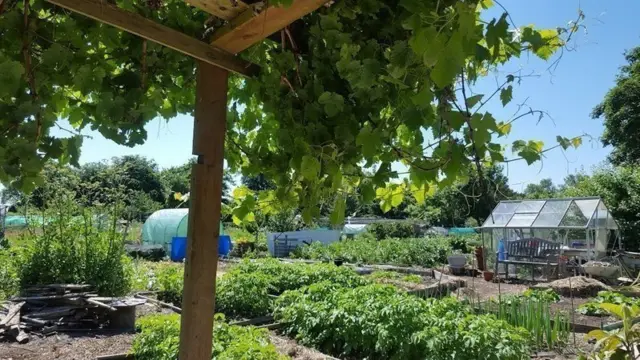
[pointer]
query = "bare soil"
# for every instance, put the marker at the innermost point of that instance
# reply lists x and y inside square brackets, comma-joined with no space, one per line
[480,290]
[295,351]
[67,347]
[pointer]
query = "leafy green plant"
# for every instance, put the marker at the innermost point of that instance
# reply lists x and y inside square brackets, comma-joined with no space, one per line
[380,322]
[160,336]
[412,278]
[170,282]
[425,252]
[593,308]
[621,343]
[547,295]
[392,275]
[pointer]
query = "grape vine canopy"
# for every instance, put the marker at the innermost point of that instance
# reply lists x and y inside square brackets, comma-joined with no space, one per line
[342,95]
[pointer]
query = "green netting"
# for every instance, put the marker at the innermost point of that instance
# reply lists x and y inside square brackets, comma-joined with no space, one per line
[165,224]
[21,220]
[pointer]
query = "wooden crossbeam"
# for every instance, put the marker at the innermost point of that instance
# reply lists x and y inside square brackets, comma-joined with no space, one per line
[150,30]
[224,9]
[248,28]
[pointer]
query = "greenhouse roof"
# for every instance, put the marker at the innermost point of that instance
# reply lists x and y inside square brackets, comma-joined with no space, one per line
[568,213]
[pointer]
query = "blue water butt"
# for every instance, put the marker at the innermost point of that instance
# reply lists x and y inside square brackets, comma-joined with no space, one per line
[178,248]
[224,245]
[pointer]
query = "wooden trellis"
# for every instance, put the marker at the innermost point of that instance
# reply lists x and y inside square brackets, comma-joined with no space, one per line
[245,25]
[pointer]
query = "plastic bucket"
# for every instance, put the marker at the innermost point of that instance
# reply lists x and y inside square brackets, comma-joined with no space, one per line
[224,245]
[178,248]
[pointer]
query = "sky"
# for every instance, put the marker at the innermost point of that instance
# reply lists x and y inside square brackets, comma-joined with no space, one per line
[567,92]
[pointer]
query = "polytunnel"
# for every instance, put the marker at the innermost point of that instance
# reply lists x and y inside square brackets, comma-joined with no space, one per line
[163,225]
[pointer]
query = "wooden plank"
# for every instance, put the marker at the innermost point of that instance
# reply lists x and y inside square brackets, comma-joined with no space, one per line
[224,9]
[248,29]
[150,30]
[14,313]
[100,304]
[164,304]
[204,214]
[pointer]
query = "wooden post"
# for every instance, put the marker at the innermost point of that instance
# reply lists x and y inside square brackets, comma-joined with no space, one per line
[204,213]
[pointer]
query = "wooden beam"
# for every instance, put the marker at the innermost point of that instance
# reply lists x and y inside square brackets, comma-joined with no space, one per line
[150,30]
[224,9]
[248,29]
[198,300]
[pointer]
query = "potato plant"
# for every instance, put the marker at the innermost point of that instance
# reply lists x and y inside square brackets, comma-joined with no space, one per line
[380,322]
[160,336]
[247,290]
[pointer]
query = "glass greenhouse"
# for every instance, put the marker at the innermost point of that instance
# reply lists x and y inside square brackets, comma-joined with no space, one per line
[163,225]
[583,226]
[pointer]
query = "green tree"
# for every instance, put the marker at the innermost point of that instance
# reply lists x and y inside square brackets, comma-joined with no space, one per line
[177,180]
[453,206]
[257,183]
[620,111]
[543,190]
[619,187]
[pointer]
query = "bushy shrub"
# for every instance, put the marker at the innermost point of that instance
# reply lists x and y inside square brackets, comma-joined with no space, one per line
[425,252]
[77,245]
[380,322]
[392,229]
[246,243]
[159,339]
[9,281]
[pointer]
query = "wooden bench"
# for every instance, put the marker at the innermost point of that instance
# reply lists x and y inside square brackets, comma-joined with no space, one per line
[533,252]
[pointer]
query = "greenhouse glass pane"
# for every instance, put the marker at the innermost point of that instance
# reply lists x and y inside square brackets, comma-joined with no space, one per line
[497,220]
[552,213]
[521,220]
[574,217]
[506,207]
[530,206]
[549,220]
[602,218]
[587,206]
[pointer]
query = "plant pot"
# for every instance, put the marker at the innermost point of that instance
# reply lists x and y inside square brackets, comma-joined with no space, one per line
[488,275]
[457,261]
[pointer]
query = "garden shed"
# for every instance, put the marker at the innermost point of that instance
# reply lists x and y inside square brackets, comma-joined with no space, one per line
[583,227]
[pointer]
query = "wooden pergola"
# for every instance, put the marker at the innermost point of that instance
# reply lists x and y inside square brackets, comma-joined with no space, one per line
[246,25]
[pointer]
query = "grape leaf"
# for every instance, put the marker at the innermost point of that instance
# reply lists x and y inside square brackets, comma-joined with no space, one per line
[10,75]
[310,168]
[506,94]
[473,100]
[339,207]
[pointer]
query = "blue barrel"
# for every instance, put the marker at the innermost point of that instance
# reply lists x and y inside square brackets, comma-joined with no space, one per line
[224,245]
[178,248]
